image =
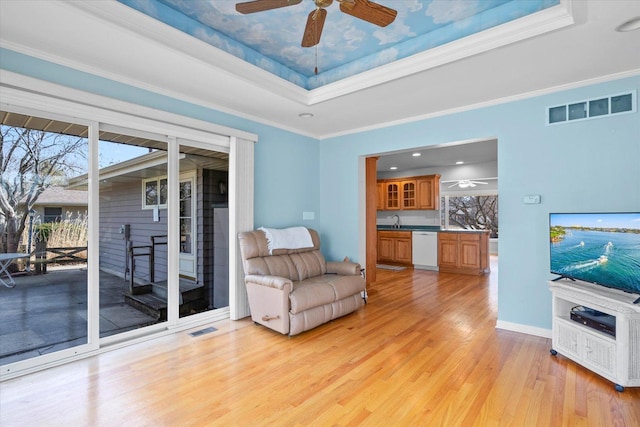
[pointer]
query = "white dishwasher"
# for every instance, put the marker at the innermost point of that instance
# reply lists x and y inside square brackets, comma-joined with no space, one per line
[425,249]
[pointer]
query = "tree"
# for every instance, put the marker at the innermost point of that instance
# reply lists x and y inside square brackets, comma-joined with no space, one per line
[30,162]
[475,212]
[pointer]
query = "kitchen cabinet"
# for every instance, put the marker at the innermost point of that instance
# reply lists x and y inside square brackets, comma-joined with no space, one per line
[392,195]
[410,193]
[463,252]
[395,247]
[428,188]
[381,200]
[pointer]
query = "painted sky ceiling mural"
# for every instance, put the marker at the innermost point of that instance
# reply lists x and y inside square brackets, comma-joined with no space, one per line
[348,46]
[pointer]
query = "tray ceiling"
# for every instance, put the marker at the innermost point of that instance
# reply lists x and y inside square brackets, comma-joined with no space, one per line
[349,46]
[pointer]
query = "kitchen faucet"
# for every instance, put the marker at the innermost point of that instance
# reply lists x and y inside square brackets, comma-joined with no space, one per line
[397,223]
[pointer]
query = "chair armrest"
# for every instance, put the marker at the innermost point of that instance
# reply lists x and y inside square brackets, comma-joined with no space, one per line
[343,268]
[269,281]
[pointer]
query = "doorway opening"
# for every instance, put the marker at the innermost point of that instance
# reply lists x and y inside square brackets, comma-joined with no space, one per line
[457,162]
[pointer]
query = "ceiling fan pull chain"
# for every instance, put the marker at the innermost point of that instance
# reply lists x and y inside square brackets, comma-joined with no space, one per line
[316,70]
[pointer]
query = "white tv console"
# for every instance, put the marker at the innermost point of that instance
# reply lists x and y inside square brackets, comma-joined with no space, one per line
[615,358]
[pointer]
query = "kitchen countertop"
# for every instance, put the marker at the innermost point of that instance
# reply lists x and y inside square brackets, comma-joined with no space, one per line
[425,228]
[409,228]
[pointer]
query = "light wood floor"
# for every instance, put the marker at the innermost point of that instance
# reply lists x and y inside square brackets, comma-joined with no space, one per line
[423,352]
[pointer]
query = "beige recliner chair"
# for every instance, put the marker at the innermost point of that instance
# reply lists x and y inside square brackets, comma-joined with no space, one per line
[294,290]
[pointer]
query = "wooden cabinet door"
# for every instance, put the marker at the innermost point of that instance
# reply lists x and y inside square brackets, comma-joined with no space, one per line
[381,202]
[403,251]
[395,246]
[448,250]
[408,194]
[469,251]
[425,189]
[392,195]
[385,248]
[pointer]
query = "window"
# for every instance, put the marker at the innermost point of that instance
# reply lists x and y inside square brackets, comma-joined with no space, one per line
[186,214]
[52,214]
[154,193]
[471,212]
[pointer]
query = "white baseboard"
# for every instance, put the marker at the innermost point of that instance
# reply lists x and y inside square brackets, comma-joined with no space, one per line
[525,329]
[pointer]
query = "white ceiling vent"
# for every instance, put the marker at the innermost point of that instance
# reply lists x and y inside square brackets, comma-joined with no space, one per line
[592,108]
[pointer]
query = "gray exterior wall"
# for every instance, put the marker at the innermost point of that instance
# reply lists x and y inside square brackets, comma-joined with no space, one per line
[122,204]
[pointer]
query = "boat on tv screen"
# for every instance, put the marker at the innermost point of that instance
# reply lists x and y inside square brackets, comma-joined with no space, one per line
[602,248]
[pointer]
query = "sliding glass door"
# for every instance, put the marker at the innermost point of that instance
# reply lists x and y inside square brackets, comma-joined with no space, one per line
[108,232]
[44,229]
[204,229]
[133,230]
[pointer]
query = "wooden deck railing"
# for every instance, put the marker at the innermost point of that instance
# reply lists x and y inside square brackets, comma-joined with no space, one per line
[61,256]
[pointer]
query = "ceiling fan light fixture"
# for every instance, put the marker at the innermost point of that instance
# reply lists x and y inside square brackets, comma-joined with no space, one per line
[416,154]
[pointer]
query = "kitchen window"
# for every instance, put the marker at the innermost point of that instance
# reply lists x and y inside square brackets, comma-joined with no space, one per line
[470,212]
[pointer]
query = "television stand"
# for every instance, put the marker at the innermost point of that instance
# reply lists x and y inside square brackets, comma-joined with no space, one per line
[614,358]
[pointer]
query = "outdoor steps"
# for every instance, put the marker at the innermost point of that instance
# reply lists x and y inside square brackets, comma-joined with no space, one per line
[151,299]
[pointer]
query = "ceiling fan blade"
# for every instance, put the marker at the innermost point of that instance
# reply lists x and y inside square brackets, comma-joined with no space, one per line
[451,186]
[479,182]
[369,11]
[313,30]
[262,5]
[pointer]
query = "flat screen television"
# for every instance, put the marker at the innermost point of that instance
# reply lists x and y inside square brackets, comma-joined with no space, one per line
[600,248]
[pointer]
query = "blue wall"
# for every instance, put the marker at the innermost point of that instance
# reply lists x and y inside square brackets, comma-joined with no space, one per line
[592,165]
[286,164]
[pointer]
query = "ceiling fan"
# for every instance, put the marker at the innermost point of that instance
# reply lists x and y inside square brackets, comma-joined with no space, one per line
[464,183]
[362,9]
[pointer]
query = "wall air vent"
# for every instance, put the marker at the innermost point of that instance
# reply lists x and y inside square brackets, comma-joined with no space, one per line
[592,108]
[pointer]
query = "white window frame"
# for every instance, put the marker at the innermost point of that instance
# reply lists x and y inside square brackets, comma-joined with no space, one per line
[445,206]
[144,192]
[27,95]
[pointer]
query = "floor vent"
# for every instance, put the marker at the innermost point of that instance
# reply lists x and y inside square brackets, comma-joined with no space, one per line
[592,108]
[203,331]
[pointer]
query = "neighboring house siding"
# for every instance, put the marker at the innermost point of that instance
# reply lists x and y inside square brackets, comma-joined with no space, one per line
[71,203]
[71,212]
[120,205]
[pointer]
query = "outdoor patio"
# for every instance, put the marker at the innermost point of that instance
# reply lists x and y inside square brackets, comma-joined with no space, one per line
[47,313]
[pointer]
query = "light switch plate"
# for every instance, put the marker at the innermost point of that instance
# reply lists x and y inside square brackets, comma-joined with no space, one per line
[532,199]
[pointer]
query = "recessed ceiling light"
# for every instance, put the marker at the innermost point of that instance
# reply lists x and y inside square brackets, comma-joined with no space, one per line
[459,162]
[393,168]
[416,154]
[630,25]
[305,115]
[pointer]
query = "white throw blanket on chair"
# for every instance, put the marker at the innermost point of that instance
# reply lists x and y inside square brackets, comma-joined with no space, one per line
[287,238]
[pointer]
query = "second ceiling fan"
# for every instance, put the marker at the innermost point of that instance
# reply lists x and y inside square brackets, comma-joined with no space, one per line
[362,9]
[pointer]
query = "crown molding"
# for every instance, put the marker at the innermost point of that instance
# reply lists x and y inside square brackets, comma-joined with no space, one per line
[24,91]
[532,25]
[490,103]
[141,25]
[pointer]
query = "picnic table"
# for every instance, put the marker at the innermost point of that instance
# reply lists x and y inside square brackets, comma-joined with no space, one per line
[5,261]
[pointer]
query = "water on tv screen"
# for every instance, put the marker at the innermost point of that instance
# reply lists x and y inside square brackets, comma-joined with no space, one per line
[602,248]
